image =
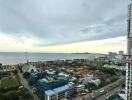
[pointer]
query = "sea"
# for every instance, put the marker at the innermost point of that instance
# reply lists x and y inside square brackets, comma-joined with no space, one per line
[11,58]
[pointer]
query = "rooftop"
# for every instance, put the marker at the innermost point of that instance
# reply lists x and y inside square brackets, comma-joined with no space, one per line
[80,85]
[56,90]
[62,88]
[52,79]
[49,92]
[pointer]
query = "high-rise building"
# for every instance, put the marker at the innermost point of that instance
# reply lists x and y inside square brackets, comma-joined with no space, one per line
[129,56]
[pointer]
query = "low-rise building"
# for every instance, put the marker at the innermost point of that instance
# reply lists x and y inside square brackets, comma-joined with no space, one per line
[37,76]
[48,83]
[115,67]
[97,82]
[80,88]
[29,68]
[53,85]
[50,95]
[87,79]
[7,68]
[91,79]
[60,93]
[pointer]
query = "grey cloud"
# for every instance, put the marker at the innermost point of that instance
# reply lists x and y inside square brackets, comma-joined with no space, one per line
[90,33]
[63,21]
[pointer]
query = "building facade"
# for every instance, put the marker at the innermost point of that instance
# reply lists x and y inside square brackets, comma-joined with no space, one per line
[60,93]
[29,68]
[129,56]
[52,85]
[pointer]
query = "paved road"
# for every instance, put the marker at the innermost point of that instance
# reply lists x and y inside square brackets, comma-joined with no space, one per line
[25,84]
[109,93]
[108,90]
[108,87]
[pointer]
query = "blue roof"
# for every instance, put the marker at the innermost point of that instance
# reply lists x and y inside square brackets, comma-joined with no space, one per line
[49,92]
[60,89]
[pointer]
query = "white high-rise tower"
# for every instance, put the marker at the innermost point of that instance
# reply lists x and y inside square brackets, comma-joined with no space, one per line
[129,56]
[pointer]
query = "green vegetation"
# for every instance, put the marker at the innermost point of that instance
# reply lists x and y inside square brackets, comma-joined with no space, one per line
[9,83]
[9,89]
[121,64]
[20,94]
[91,86]
[111,71]
[26,75]
[104,83]
[94,65]
[10,95]
[15,72]
[30,82]
[114,97]
[123,73]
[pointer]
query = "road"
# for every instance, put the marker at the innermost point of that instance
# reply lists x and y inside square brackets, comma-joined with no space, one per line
[25,84]
[109,93]
[108,90]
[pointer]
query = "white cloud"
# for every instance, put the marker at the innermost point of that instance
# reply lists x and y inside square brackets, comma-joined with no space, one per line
[101,46]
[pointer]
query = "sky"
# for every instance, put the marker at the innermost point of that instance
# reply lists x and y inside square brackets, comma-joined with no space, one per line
[96,26]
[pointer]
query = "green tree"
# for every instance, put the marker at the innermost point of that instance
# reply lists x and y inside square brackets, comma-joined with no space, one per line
[26,75]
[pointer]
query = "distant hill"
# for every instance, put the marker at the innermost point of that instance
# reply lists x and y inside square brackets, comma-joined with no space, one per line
[82,53]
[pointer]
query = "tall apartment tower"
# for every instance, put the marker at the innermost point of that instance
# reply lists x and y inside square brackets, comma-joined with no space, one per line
[129,56]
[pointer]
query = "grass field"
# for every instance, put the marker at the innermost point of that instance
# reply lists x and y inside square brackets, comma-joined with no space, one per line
[9,82]
[9,89]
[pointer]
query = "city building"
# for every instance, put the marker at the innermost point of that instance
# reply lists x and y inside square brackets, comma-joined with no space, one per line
[48,83]
[53,85]
[37,76]
[129,56]
[29,68]
[7,68]
[121,52]
[101,59]
[50,95]
[66,91]
[112,54]
[97,82]
[80,88]
[91,79]
[87,79]
[115,66]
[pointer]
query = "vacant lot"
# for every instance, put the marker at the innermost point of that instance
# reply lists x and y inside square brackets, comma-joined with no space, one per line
[9,83]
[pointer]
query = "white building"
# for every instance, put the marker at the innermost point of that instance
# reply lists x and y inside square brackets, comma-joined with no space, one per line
[97,82]
[63,74]
[29,68]
[90,79]
[80,88]
[115,66]
[87,79]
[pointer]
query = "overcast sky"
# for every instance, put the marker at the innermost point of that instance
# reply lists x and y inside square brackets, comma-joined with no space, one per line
[63,25]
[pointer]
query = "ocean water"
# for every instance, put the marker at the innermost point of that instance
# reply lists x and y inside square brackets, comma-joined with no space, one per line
[7,58]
